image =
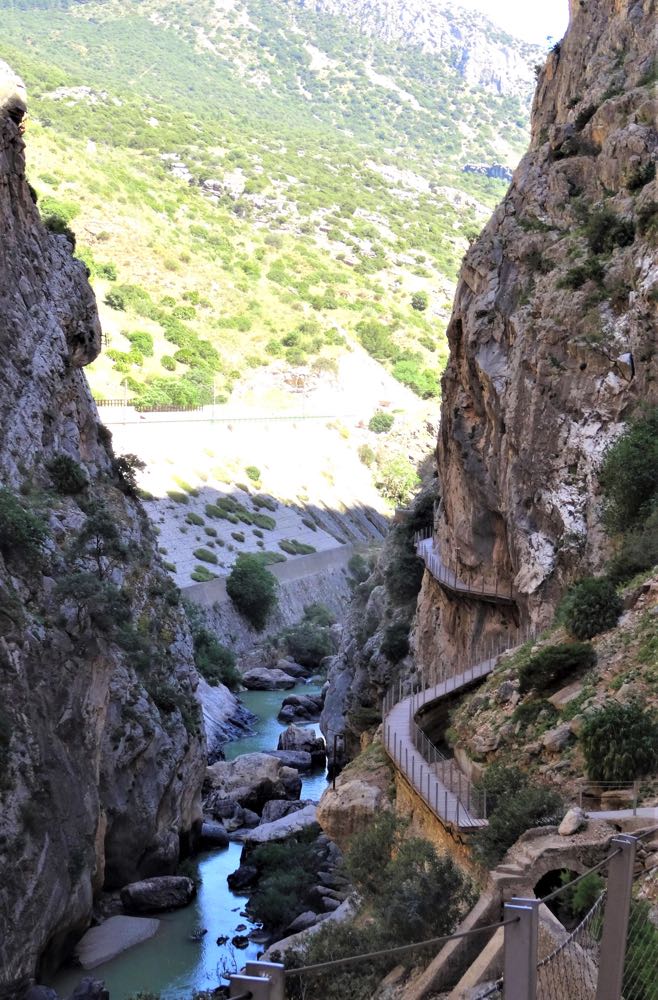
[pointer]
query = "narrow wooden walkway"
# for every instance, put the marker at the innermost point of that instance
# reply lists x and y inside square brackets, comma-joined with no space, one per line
[434,777]
[447,578]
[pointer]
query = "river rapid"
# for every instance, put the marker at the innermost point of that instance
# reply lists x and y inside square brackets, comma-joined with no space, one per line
[169,964]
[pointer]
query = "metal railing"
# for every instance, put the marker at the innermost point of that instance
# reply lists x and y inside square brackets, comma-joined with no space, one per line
[452,579]
[611,953]
[439,781]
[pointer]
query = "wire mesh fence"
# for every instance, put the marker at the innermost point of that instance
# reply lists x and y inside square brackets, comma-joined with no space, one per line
[571,969]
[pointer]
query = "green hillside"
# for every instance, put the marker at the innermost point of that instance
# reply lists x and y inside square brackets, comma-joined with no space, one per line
[252,186]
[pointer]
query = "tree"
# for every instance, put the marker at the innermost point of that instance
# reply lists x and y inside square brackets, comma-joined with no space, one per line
[629,474]
[252,589]
[419,301]
[620,742]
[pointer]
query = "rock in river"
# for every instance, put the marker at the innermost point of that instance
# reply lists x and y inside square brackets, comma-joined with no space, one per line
[299,739]
[166,892]
[109,939]
[265,679]
[250,780]
[213,834]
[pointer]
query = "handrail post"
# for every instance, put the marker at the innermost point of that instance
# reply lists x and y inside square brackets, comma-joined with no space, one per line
[520,959]
[615,919]
[273,973]
[254,986]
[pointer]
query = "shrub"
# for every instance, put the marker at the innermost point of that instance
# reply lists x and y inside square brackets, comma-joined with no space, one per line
[252,589]
[404,574]
[629,473]
[126,468]
[253,473]
[263,521]
[97,600]
[193,518]
[308,643]
[366,454]
[553,664]
[318,614]
[214,661]
[395,645]
[168,362]
[638,552]
[295,548]
[529,712]
[620,742]
[201,574]
[358,567]
[419,301]
[288,873]
[381,422]
[398,479]
[67,476]
[179,497]
[205,555]
[22,533]
[238,536]
[605,231]
[142,342]
[260,500]
[592,606]
[516,806]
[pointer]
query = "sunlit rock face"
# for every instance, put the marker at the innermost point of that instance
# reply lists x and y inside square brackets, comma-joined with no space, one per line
[552,336]
[101,742]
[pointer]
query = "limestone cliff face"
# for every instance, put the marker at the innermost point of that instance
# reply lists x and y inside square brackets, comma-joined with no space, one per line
[553,334]
[101,743]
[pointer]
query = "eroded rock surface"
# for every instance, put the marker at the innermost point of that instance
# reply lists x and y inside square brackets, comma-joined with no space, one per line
[101,749]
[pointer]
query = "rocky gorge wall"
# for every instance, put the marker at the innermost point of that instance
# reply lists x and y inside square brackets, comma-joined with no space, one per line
[552,335]
[552,346]
[101,738]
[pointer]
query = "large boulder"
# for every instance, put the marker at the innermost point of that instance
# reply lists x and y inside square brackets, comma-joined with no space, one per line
[232,815]
[277,808]
[45,992]
[299,739]
[213,834]
[266,679]
[107,940]
[281,829]
[362,792]
[573,821]
[90,989]
[298,759]
[301,707]
[166,892]
[250,780]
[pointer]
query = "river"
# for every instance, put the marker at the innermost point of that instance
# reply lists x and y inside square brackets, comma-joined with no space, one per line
[169,964]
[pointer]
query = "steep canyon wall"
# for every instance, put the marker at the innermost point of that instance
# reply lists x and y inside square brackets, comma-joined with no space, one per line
[101,739]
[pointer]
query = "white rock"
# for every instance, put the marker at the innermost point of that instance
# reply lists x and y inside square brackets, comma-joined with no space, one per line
[109,939]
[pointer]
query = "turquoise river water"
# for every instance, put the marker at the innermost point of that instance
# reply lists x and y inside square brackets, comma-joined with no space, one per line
[169,964]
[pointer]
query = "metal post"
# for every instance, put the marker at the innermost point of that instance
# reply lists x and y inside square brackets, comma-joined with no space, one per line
[520,961]
[615,920]
[254,986]
[271,971]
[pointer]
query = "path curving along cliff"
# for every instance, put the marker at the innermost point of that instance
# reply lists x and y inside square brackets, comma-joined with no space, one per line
[101,738]
[552,335]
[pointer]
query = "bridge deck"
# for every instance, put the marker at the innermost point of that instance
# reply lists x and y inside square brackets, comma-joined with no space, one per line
[447,806]
[448,578]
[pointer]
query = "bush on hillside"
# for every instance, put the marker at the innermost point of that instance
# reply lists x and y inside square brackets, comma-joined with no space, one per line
[637,552]
[22,533]
[620,742]
[404,574]
[126,467]
[398,480]
[67,476]
[629,474]
[288,873]
[554,664]
[213,660]
[515,806]
[591,607]
[419,301]
[253,472]
[358,568]
[395,644]
[318,614]
[308,643]
[381,422]
[252,589]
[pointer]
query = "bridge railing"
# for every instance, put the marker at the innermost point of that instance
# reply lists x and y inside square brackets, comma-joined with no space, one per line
[454,579]
[610,954]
